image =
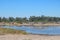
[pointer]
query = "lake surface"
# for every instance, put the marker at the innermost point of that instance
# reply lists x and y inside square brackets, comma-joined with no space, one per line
[50,30]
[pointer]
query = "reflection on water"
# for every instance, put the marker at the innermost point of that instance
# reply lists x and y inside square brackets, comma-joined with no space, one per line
[51,30]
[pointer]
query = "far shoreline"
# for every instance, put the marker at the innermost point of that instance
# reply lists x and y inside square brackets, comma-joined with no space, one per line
[27,24]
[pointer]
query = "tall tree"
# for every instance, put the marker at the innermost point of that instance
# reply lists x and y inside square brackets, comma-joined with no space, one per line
[18,20]
[0,19]
[25,19]
[11,19]
[4,19]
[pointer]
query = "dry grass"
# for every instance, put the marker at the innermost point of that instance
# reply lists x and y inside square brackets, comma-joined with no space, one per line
[11,31]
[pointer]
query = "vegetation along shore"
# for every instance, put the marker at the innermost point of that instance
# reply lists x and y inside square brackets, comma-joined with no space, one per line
[32,20]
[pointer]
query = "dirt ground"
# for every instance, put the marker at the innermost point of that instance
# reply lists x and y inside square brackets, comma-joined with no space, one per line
[28,37]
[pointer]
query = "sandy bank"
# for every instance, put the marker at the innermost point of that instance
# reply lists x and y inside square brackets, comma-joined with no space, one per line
[17,24]
[28,37]
[38,25]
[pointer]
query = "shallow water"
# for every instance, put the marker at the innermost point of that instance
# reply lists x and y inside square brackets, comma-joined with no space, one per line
[50,30]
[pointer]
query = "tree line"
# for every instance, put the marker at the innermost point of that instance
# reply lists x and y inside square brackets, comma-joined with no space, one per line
[30,19]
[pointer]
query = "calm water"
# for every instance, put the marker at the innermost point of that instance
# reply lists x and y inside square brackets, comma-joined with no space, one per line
[50,30]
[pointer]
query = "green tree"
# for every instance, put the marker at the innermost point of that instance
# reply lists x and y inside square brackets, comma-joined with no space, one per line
[25,19]
[18,20]
[0,19]
[4,19]
[11,19]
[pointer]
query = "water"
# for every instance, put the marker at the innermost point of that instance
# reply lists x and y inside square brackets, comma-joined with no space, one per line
[50,30]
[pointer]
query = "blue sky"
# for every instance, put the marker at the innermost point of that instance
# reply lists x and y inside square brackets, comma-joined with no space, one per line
[26,8]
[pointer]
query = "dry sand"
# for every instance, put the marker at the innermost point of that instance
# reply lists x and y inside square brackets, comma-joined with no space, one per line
[28,37]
